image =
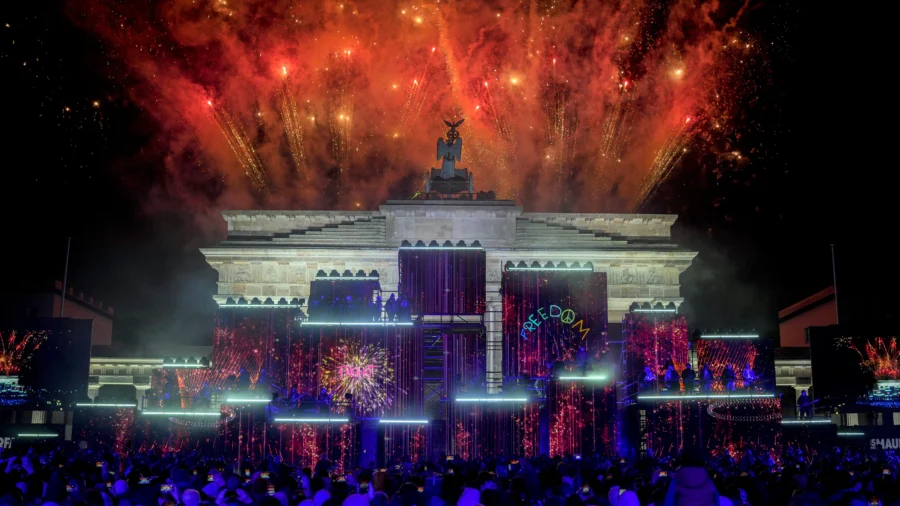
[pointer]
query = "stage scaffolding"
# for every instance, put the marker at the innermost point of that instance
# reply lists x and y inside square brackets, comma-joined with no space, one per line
[440,333]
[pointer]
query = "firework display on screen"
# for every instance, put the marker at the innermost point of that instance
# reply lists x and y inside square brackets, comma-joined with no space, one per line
[861,367]
[17,349]
[363,371]
[37,358]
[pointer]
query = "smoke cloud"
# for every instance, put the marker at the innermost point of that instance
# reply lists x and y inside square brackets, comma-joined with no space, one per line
[285,104]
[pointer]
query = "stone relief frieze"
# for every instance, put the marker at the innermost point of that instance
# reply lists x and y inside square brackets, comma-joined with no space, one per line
[242,274]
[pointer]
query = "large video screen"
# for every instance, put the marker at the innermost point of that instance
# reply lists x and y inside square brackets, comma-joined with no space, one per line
[44,360]
[552,316]
[853,365]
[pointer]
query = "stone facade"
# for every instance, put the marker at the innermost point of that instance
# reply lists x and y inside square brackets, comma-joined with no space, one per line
[277,253]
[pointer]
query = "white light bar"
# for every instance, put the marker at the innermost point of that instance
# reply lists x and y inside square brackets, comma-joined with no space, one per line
[103,405]
[32,434]
[582,269]
[851,433]
[729,336]
[181,413]
[443,247]
[312,420]
[358,324]
[398,420]
[788,422]
[492,399]
[664,310]
[247,401]
[590,377]
[184,366]
[260,306]
[339,278]
[711,396]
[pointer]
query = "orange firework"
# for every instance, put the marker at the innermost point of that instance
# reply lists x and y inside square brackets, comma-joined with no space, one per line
[17,349]
[584,99]
[882,357]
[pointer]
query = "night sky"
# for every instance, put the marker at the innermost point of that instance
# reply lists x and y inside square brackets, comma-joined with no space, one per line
[83,160]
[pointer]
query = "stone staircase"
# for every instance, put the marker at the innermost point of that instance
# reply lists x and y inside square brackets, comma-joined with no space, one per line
[543,235]
[364,232]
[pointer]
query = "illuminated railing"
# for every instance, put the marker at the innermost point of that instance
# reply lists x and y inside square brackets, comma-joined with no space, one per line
[182,413]
[234,305]
[346,278]
[105,405]
[806,421]
[442,248]
[247,400]
[311,420]
[580,269]
[729,336]
[402,421]
[586,377]
[679,396]
[490,399]
[37,435]
[373,323]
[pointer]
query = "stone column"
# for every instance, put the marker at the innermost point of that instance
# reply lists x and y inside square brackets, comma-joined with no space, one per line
[493,323]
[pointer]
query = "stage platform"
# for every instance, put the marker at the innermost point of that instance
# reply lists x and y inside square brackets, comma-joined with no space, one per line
[711,396]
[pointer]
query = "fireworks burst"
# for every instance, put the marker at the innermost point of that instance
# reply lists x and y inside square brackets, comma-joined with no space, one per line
[363,371]
[241,147]
[667,158]
[882,357]
[17,349]
[593,92]
[293,125]
[562,122]
[614,133]
[341,107]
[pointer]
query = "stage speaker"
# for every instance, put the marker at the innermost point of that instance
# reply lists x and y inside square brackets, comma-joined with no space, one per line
[437,440]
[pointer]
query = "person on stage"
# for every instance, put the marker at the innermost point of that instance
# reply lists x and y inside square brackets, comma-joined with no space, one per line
[728,378]
[295,396]
[263,382]
[749,376]
[649,380]
[672,378]
[243,382]
[324,398]
[688,376]
[706,378]
[804,405]
[204,396]
[377,309]
[390,307]
[582,358]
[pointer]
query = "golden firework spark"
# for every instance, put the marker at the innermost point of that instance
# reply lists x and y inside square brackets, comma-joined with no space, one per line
[241,147]
[666,159]
[293,126]
[362,371]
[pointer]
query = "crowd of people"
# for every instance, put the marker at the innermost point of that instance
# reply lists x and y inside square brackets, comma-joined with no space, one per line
[79,477]
[705,381]
[359,309]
